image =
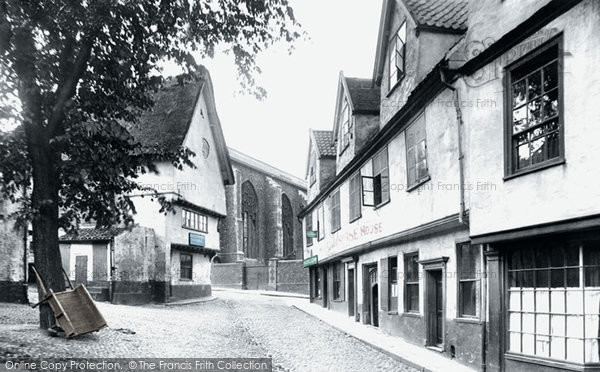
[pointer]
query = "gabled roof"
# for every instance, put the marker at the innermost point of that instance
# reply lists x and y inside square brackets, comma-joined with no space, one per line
[91,235]
[324,144]
[166,125]
[444,16]
[364,95]
[239,157]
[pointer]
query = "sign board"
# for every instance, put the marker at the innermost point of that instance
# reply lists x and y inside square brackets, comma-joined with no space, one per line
[311,261]
[311,234]
[197,240]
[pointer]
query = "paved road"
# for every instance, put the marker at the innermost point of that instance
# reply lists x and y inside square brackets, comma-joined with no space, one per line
[234,325]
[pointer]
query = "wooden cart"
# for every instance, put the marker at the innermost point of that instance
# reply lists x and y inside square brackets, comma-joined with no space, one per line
[74,309]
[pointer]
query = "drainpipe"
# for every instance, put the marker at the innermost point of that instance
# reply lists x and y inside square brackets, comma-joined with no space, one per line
[459,122]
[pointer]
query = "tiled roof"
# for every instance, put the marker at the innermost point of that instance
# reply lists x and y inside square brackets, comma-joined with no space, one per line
[448,14]
[324,142]
[89,235]
[165,126]
[364,94]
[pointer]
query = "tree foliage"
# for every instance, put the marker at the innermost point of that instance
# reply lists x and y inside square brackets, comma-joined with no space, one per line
[73,70]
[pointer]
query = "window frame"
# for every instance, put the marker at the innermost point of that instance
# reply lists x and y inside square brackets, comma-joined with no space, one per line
[407,283]
[195,221]
[190,268]
[393,50]
[335,211]
[321,222]
[338,290]
[581,244]
[345,126]
[356,198]
[477,280]
[392,280]
[510,170]
[312,175]
[377,185]
[307,218]
[413,127]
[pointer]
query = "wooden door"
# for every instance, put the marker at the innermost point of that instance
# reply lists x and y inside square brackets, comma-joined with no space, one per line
[81,270]
[374,297]
[351,292]
[435,308]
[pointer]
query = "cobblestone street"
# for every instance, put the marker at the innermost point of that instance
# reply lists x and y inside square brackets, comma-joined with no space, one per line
[233,325]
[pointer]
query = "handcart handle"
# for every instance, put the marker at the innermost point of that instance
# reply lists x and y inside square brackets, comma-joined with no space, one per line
[40,282]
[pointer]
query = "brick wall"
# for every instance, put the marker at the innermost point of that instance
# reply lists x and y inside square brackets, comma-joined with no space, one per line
[292,277]
[228,275]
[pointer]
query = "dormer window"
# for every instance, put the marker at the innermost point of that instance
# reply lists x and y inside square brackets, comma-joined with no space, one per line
[313,177]
[346,125]
[397,56]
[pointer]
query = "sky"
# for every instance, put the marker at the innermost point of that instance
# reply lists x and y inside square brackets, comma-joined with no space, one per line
[301,87]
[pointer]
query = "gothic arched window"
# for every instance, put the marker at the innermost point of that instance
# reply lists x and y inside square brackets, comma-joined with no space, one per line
[287,219]
[249,220]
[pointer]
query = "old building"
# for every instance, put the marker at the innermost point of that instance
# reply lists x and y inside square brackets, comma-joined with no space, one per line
[13,253]
[165,256]
[536,145]
[466,223]
[261,238]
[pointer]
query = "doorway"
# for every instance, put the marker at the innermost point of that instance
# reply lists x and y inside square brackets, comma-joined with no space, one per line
[435,308]
[324,289]
[373,290]
[351,292]
[81,270]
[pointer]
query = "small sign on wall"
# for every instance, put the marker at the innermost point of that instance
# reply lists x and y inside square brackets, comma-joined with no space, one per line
[311,234]
[311,261]
[197,240]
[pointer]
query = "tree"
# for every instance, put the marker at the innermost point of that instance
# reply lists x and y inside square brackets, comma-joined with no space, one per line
[74,70]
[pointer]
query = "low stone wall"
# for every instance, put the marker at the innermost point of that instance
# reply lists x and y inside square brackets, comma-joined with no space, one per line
[292,277]
[228,275]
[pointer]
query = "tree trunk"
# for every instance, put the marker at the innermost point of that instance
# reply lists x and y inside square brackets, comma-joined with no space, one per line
[45,223]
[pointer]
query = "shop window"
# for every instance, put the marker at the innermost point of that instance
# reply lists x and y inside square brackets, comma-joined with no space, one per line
[185,266]
[554,301]
[411,282]
[469,268]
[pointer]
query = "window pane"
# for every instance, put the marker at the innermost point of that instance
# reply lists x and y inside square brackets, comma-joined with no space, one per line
[538,150]
[515,342]
[422,170]
[469,298]
[550,76]
[523,156]
[557,256]
[541,278]
[550,104]
[519,93]
[557,348]
[421,150]
[542,345]
[534,85]
[572,278]
[520,119]
[558,325]
[534,112]
[557,278]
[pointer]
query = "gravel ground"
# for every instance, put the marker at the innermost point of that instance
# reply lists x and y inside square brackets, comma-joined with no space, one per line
[234,325]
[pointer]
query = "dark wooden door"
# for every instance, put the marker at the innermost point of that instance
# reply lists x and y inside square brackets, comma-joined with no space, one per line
[81,270]
[435,308]
[351,292]
[325,288]
[374,297]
